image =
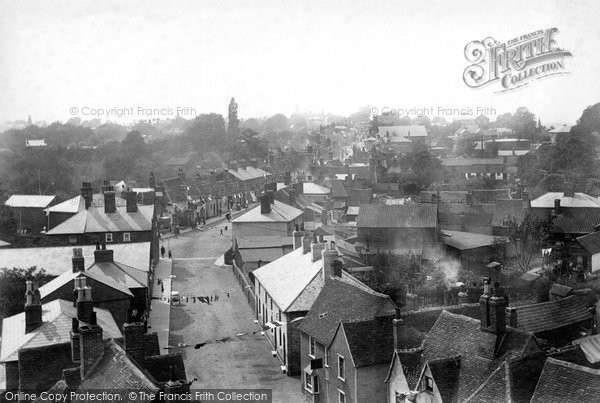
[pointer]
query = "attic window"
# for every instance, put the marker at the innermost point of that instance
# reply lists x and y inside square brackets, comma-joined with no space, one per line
[322,315]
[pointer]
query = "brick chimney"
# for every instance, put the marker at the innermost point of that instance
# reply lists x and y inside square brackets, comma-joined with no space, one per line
[265,205]
[85,304]
[110,205]
[399,329]
[297,235]
[292,195]
[316,247]
[493,308]
[300,188]
[103,255]
[556,207]
[87,192]
[270,195]
[77,260]
[133,338]
[75,340]
[151,181]
[131,200]
[180,387]
[330,264]
[33,307]
[306,244]
[91,348]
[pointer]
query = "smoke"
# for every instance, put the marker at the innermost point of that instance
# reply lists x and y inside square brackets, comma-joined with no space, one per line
[450,269]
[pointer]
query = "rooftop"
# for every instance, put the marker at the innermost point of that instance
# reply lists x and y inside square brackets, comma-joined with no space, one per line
[469,240]
[280,212]
[310,188]
[455,162]
[419,215]
[402,131]
[579,200]
[248,173]
[563,381]
[57,318]
[29,201]
[591,242]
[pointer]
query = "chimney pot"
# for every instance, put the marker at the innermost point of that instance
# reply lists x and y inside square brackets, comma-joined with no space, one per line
[306,244]
[78,261]
[33,307]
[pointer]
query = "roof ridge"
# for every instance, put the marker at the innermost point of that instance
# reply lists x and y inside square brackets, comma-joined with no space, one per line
[571,365]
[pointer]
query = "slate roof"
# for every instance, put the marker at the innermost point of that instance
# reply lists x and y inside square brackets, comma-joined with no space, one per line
[371,342]
[508,210]
[77,204]
[117,371]
[563,381]
[68,276]
[591,242]
[127,276]
[57,322]
[445,374]
[339,300]
[248,173]
[57,259]
[280,212]
[580,200]
[549,315]
[469,240]
[481,352]
[590,346]
[419,215]
[337,188]
[359,196]
[576,220]
[95,220]
[353,210]
[29,201]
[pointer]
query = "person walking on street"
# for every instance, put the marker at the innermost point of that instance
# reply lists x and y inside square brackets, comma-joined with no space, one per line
[170,254]
[221,231]
[162,251]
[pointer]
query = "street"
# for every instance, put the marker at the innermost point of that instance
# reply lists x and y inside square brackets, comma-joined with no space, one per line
[242,356]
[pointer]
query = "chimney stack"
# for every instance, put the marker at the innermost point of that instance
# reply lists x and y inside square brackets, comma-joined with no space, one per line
[325,217]
[75,340]
[300,188]
[556,206]
[493,308]
[151,181]
[85,304]
[87,192]
[133,335]
[292,197]
[78,260]
[330,263]
[297,235]
[33,307]
[103,255]
[91,348]
[399,329]
[110,205]
[270,195]
[316,247]
[265,205]
[306,244]
[131,200]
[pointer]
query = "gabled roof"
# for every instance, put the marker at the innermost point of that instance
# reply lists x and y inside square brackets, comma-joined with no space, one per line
[117,371]
[576,220]
[96,220]
[590,346]
[340,300]
[579,200]
[591,242]
[371,342]
[548,315]
[418,215]
[563,381]
[280,212]
[29,201]
[469,240]
[57,318]
[50,287]
[126,276]
[77,204]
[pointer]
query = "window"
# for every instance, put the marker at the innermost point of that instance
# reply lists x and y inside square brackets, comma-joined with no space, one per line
[341,368]
[428,384]
[311,383]
[341,397]
[109,237]
[326,358]
[73,239]
[126,237]
[311,347]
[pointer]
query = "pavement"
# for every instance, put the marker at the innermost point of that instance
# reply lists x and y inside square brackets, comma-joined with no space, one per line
[232,352]
[160,309]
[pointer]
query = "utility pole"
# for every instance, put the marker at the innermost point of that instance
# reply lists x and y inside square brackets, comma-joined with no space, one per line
[39,184]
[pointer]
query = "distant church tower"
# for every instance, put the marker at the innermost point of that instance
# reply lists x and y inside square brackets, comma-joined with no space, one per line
[29,122]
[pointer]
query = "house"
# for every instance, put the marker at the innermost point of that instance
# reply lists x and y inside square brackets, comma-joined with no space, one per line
[459,354]
[472,249]
[402,229]
[286,289]
[466,168]
[118,288]
[252,252]
[507,146]
[36,143]
[46,328]
[402,133]
[313,192]
[342,298]
[270,218]
[110,224]
[562,381]
[591,244]
[28,212]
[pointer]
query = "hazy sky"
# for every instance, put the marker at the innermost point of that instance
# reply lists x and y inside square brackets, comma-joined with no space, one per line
[275,55]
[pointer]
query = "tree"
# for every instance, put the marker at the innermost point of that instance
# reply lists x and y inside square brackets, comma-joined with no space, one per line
[233,123]
[12,287]
[528,237]
[524,124]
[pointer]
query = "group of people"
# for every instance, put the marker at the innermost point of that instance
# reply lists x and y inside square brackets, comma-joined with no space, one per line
[162,252]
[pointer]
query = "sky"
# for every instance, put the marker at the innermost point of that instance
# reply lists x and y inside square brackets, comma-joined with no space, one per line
[90,59]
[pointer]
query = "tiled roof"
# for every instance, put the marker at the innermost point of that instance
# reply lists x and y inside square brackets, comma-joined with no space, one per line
[280,212]
[508,210]
[359,196]
[469,240]
[30,201]
[353,210]
[445,196]
[57,323]
[339,300]
[580,200]
[576,220]
[549,315]
[248,173]
[445,373]
[117,371]
[165,367]
[250,242]
[57,260]
[591,242]
[560,290]
[590,346]
[68,276]
[286,278]
[96,220]
[371,342]
[481,352]
[563,381]
[424,319]
[419,215]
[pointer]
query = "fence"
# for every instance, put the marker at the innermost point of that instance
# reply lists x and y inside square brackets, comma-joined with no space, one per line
[246,286]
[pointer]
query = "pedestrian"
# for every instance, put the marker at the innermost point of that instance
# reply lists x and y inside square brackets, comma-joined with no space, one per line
[228,294]
[162,251]
[221,231]
[162,288]
[170,254]
[211,298]
[226,228]
[216,298]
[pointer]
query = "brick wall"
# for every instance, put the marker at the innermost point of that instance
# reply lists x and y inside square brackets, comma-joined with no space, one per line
[41,367]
